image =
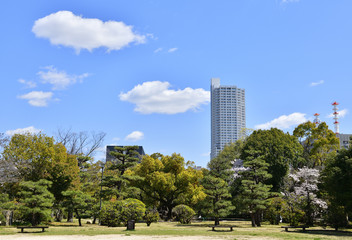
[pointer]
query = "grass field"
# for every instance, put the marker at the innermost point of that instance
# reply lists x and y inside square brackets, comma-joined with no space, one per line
[243,230]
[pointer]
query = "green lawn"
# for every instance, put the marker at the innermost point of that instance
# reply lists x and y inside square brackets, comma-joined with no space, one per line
[243,230]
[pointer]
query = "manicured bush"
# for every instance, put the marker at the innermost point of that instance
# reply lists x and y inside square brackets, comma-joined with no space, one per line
[132,209]
[110,214]
[151,215]
[183,213]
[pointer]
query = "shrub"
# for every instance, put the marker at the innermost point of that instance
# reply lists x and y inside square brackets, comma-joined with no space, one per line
[151,215]
[132,209]
[183,213]
[110,215]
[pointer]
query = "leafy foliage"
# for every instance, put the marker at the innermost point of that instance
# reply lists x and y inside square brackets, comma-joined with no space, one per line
[78,202]
[183,213]
[318,142]
[110,215]
[166,181]
[35,201]
[277,149]
[132,209]
[151,215]
[255,193]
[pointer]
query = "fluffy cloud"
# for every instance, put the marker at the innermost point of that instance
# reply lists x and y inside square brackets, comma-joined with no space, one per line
[65,28]
[284,121]
[59,79]
[28,84]
[134,136]
[313,84]
[342,113]
[156,97]
[37,98]
[172,50]
[158,50]
[30,129]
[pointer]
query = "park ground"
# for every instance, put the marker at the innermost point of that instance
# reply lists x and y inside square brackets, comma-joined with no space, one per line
[170,231]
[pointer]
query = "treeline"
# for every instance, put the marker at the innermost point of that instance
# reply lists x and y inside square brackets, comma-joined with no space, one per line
[303,178]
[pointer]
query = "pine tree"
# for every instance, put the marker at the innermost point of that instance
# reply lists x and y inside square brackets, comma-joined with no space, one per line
[255,192]
[36,201]
[217,200]
[116,181]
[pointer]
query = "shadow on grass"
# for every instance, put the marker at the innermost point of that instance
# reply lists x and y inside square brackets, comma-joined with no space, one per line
[325,232]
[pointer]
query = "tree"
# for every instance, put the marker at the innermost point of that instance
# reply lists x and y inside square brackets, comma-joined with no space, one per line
[36,201]
[336,180]
[81,143]
[151,215]
[78,202]
[276,148]
[116,182]
[183,213]
[306,186]
[217,202]
[166,181]
[255,191]
[132,209]
[318,142]
[37,156]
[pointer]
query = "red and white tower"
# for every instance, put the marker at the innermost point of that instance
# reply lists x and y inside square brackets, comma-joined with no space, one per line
[316,120]
[336,117]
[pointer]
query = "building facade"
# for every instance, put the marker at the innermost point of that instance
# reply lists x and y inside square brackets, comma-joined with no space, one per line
[344,140]
[228,115]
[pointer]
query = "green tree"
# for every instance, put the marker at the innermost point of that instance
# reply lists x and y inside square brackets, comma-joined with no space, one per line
[166,181]
[110,214]
[255,191]
[151,215]
[116,182]
[35,201]
[37,156]
[336,179]
[132,209]
[78,202]
[276,148]
[217,202]
[318,142]
[183,213]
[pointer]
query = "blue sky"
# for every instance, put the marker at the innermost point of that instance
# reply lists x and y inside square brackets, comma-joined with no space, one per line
[140,70]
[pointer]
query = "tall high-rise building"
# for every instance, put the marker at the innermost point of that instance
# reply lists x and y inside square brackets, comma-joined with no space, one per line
[228,115]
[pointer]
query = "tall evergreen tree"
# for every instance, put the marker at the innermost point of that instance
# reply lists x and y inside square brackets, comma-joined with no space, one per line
[217,201]
[255,191]
[36,201]
[115,180]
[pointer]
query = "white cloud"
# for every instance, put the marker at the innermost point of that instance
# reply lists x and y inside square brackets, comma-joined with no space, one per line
[30,129]
[313,84]
[115,139]
[284,121]
[135,136]
[342,113]
[156,97]
[158,50]
[28,84]
[65,28]
[59,79]
[37,98]
[172,50]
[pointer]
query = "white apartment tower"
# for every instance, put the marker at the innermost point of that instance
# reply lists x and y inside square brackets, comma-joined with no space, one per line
[228,115]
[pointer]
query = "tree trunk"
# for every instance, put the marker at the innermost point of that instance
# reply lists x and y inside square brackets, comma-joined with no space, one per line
[257,219]
[217,221]
[70,216]
[79,222]
[94,220]
[8,216]
[253,219]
